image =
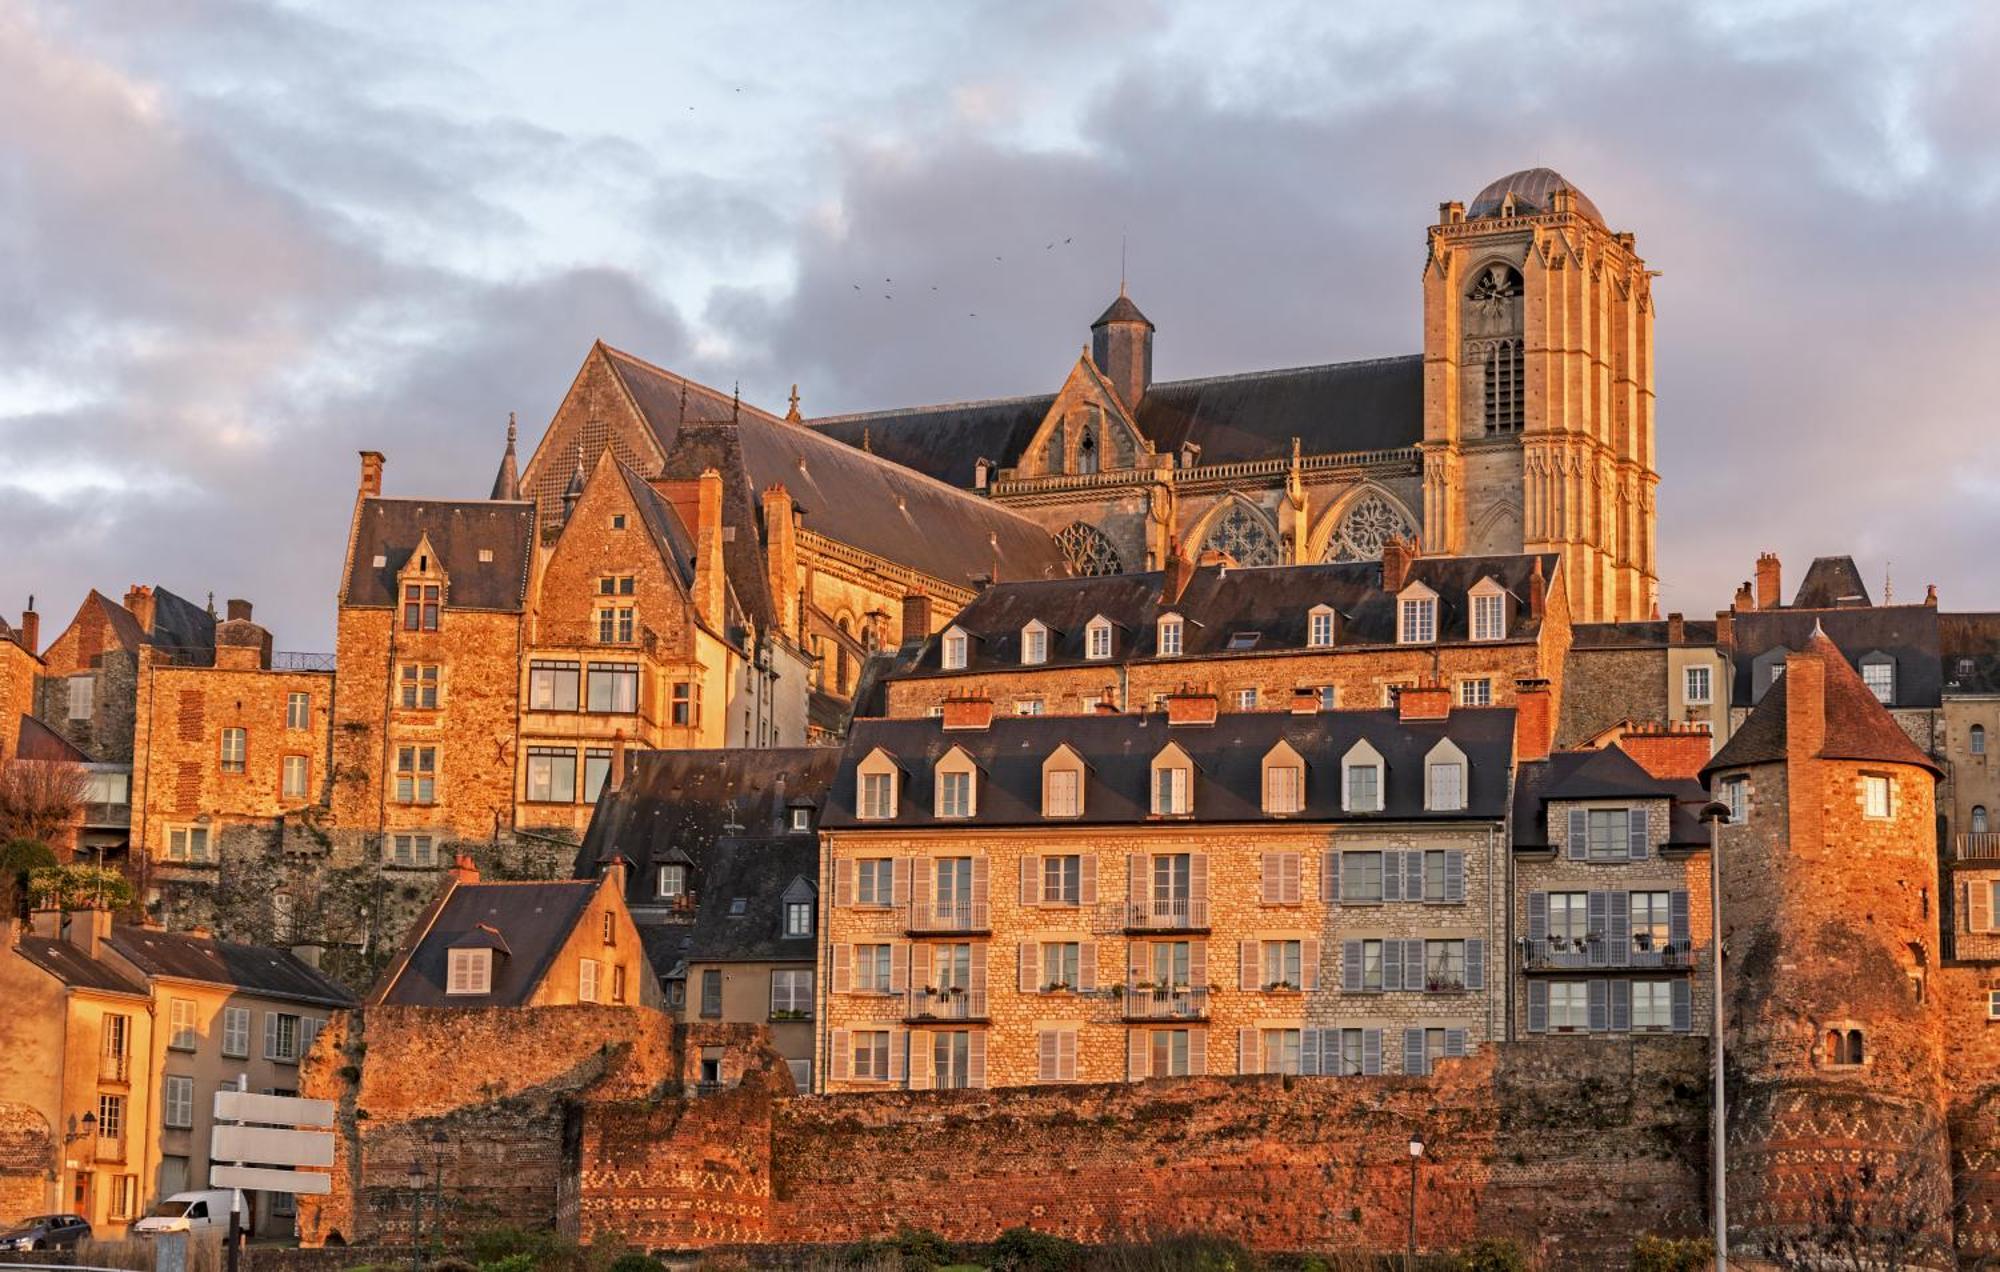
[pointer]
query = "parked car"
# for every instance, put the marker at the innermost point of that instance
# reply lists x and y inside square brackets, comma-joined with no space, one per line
[203,1211]
[45,1232]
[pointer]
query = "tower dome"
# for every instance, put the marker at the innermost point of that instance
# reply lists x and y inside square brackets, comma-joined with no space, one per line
[1532,189]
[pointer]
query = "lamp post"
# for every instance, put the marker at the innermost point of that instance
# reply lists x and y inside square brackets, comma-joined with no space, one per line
[1716,813]
[1416,1155]
[416,1213]
[439,1142]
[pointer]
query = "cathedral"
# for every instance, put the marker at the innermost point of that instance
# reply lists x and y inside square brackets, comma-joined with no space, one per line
[1524,425]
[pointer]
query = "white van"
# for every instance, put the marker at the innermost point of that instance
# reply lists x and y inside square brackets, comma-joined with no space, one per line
[191,1212]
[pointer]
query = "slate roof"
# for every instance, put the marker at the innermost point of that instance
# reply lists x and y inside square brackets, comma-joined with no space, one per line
[77,969]
[1603,773]
[1120,310]
[1970,647]
[1531,188]
[1857,726]
[534,920]
[1645,634]
[254,969]
[1228,759]
[757,871]
[1221,602]
[1908,633]
[179,623]
[1335,408]
[459,530]
[867,501]
[37,741]
[1831,582]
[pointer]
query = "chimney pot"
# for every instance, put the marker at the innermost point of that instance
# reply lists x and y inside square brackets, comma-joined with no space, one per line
[974,711]
[464,869]
[1190,706]
[371,473]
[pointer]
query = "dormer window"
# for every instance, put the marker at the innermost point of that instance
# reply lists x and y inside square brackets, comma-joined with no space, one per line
[1489,611]
[671,882]
[1097,638]
[420,606]
[1319,627]
[1034,644]
[1284,781]
[1173,782]
[954,649]
[1878,672]
[1416,615]
[469,972]
[1445,772]
[802,820]
[1361,779]
[1171,629]
[875,786]
[1239,641]
[1062,784]
[957,784]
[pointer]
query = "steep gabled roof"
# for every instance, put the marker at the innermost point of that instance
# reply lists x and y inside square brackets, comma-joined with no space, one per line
[532,920]
[1831,582]
[37,741]
[387,532]
[1857,726]
[179,623]
[254,969]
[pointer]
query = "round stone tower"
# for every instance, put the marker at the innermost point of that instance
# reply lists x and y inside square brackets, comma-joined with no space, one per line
[1835,1054]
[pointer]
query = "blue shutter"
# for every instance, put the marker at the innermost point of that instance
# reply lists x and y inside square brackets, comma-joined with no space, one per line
[1538,918]
[1392,965]
[1309,1052]
[1635,833]
[1371,1052]
[1475,963]
[1579,834]
[1683,1006]
[1454,875]
[1621,1006]
[1413,876]
[1392,876]
[1416,975]
[1350,966]
[1600,1006]
[1538,1006]
[1597,915]
[1621,928]
[1454,1042]
[1677,921]
[1331,874]
[1413,1051]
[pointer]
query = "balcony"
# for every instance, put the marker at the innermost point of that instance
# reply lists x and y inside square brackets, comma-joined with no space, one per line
[946,1004]
[1581,954]
[1978,845]
[946,918]
[1181,1003]
[107,816]
[114,1068]
[1173,915]
[110,1148]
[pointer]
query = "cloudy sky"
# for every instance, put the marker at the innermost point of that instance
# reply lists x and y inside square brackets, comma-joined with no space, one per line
[239,243]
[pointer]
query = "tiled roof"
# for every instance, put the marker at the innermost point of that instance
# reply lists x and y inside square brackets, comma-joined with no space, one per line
[1907,633]
[1227,756]
[388,530]
[76,969]
[534,920]
[254,969]
[1857,726]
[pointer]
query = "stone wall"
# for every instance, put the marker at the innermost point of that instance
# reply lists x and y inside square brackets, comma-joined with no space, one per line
[26,1149]
[1972,1074]
[1603,686]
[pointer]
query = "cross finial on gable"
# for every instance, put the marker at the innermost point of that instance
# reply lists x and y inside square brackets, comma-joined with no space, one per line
[792,416]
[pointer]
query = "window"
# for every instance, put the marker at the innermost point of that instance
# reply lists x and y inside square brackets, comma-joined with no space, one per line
[1446,786]
[954,650]
[1736,795]
[1242,640]
[416,775]
[179,1102]
[1354,1055]
[412,850]
[1360,877]
[234,746]
[469,972]
[188,843]
[671,881]
[1444,966]
[1169,1053]
[955,794]
[1417,620]
[617,585]
[295,779]
[1170,791]
[1034,644]
[614,687]
[1282,967]
[1283,788]
[1978,739]
[1097,639]
[1979,819]
[1569,1005]
[1569,919]
[1502,379]
[1878,672]
[586,979]
[236,1032]
[1652,1005]
[551,686]
[1844,1047]
[281,1036]
[1475,693]
[182,1029]
[614,625]
[1060,793]
[1246,699]
[420,607]
[1651,930]
[686,704]
[1489,616]
[874,882]
[1364,788]
[1371,978]
[1695,686]
[1319,628]
[298,711]
[1875,795]
[1171,964]
[711,993]
[871,969]
[1280,1050]
[1609,835]
[1062,880]
[798,918]
[610,928]
[551,775]
[871,1055]
[111,1117]
[82,689]
[792,994]
[1028,706]
[878,795]
[1061,963]
[419,683]
[1171,631]
[596,772]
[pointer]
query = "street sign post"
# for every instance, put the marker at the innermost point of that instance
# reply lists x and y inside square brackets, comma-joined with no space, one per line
[269,1143]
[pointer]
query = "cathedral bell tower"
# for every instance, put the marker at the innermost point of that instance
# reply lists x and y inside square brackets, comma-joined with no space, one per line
[1538,391]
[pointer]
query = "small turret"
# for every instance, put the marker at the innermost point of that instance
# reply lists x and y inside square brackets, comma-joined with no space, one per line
[507,482]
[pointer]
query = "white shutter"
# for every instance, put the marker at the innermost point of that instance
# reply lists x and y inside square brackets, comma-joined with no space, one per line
[1247,1060]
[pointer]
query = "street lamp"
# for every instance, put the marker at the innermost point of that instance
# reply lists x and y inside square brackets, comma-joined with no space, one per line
[416,1213]
[439,1142]
[1416,1154]
[1716,813]
[89,1126]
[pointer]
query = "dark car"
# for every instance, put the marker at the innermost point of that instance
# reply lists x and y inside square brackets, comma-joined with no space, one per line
[45,1232]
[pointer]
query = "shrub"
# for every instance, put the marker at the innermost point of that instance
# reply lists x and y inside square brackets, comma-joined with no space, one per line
[1672,1254]
[633,1261]
[921,1250]
[1025,1250]
[523,1262]
[1492,1254]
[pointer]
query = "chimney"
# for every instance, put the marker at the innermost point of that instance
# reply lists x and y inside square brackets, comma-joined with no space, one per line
[1668,751]
[371,473]
[1396,553]
[45,923]
[1725,630]
[31,628]
[1770,591]
[916,615]
[710,586]
[1305,700]
[1804,683]
[781,557]
[89,930]
[1534,720]
[1743,601]
[1538,591]
[239,643]
[1188,705]
[1121,344]
[1428,701]
[1676,629]
[1179,573]
[974,711]
[618,869]
[139,603]
[238,610]
[1930,595]
[1107,702]
[464,869]
[201,932]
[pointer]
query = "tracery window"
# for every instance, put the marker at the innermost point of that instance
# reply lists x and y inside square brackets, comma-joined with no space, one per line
[1242,535]
[1086,451]
[1364,529]
[1089,552]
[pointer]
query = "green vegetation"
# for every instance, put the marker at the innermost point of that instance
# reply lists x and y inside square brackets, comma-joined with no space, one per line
[1672,1254]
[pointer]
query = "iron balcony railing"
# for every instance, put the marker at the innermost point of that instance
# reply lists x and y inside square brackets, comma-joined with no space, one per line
[1561,954]
[1177,914]
[107,816]
[947,916]
[1979,845]
[301,660]
[114,1068]
[947,1004]
[1143,1002]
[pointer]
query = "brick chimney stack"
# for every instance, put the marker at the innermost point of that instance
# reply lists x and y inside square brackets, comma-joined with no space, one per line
[31,628]
[464,869]
[1770,588]
[1534,720]
[1396,554]
[974,711]
[1676,629]
[1188,705]
[1427,701]
[239,642]
[139,603]
[1179,573]
[916,615]
[710,587]
[1744,600]
[781,556]
[616,777]
[617,868]
[1669,750]
[371,473]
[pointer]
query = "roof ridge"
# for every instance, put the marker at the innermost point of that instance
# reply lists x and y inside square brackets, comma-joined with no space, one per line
[1270,372]
[675,376]
[923,408]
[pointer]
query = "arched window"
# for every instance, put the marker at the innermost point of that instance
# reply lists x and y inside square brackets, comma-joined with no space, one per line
[1979,739]
[1979,819]
[1854,1051]
[1086,451]
[1240,533]
[1089,552]
[843,666]
[1364,529]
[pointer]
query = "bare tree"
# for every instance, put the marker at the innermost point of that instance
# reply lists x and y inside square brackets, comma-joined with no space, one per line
[40,799]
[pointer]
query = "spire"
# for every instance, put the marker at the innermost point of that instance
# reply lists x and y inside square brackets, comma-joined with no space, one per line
[575,491]
[507,482]
[792,416]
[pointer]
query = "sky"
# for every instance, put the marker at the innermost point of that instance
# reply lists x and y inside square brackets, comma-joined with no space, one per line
[240,243]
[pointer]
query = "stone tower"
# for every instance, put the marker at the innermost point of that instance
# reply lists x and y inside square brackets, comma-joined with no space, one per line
[1538,391]
[1836,1120]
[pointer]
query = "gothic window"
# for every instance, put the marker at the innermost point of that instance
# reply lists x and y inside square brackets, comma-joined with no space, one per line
[1089,552]
[1242,535]
[1501,390]
[1086,451]
[1366,527]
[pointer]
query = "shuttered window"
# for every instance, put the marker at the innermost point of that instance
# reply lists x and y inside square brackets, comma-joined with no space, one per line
[236,1032]
[1055,1051]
